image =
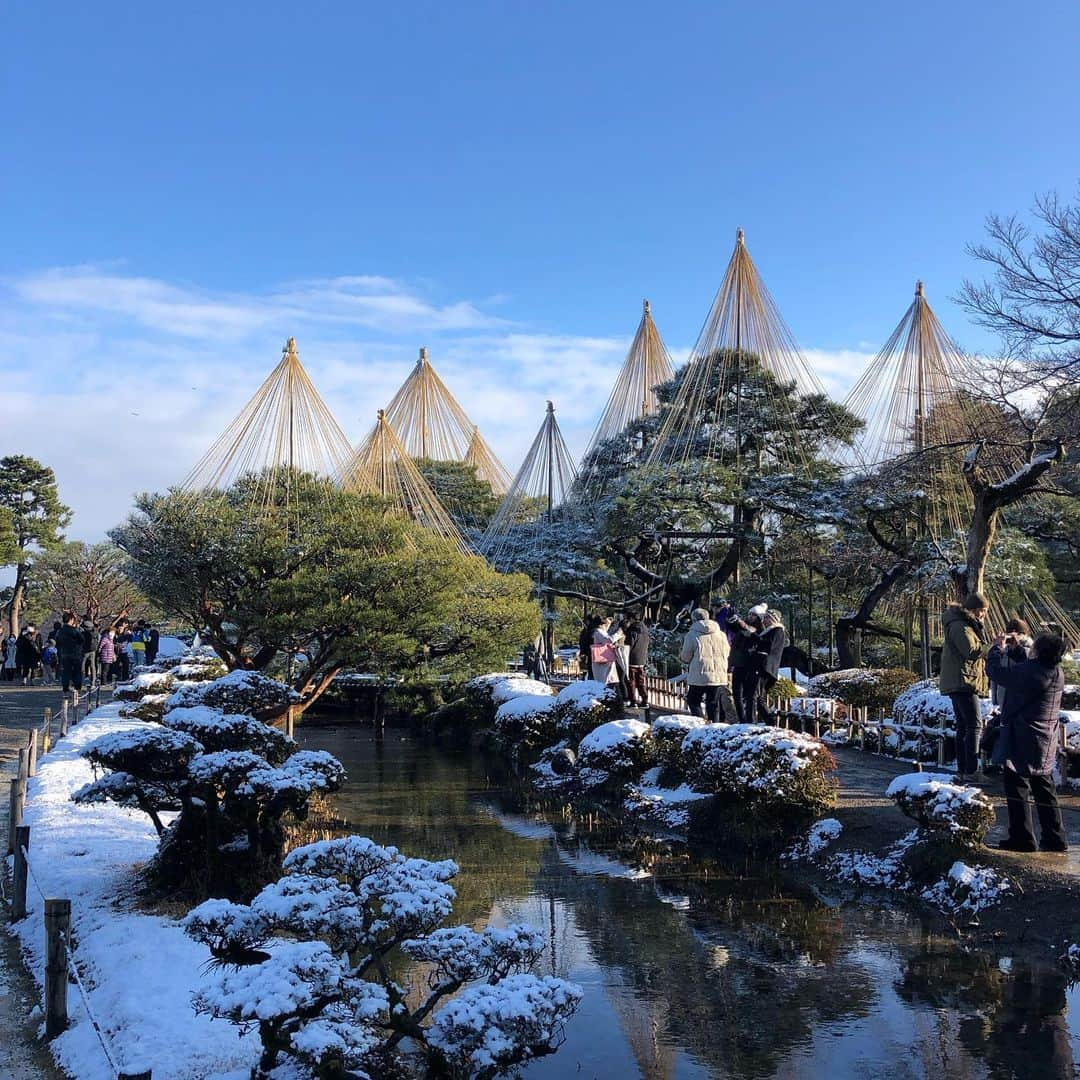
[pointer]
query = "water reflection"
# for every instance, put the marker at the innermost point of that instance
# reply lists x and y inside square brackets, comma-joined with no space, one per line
[699,967]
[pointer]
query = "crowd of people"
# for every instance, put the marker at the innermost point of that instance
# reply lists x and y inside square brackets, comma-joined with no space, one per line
[729,663]
[76,653]
[1024,680]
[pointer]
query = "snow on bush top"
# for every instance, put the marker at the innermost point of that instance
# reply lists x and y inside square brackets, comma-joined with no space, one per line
[479,1031]
[676,725]
[149,682]
[607,736]
[923,704]
[230,731]
[585,694]
[501,686]
[967,889]
[526,705]
[754,761]
[876,688]
[937,802]
[236,692]
[152,751]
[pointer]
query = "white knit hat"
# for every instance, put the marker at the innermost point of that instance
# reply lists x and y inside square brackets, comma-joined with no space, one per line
[760,610]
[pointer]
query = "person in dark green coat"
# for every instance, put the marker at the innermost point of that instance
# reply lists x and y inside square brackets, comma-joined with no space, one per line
[963,677]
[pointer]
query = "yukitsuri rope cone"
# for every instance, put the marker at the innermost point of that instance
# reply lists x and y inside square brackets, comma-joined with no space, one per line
[916,400]
[284,430]
[382,466]
[743,351]
[527,511]
[432,425]
[646,366]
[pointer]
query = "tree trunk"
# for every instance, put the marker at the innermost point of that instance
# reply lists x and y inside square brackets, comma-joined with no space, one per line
[18,595]
[849,628]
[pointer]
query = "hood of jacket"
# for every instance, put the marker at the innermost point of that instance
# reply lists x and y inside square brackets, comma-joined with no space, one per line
[955,613]
[705,626]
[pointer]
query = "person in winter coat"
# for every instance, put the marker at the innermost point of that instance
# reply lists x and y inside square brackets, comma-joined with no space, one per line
[153,643]
[764,670]
[9,658]
[1017,634]
[637,640]
[91,640]
[963,678]
[1030,730]
[744,635]
[705,654]
[603,646]
[49,659]
[69,644]
[27,655]
[585,645]
[107,656]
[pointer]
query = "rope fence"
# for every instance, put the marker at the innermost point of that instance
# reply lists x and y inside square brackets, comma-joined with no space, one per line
[61,965]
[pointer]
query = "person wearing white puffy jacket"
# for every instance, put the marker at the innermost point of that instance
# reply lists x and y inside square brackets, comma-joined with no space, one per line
[704,655]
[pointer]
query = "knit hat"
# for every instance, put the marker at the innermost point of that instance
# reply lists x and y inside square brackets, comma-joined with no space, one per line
[760,610]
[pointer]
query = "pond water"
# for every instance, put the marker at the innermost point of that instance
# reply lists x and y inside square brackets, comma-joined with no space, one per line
[696,967]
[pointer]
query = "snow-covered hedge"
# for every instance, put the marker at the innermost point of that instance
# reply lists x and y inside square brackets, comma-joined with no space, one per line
[923,704]
[216,730]
[668,733]
[500,686]
[938,803]
[761,766]
[237,692]
[148,682]
[967,890]
[875,688]
[618,747]
[150,708]
[526,720]
[328,999]
[821,835]
[583,705]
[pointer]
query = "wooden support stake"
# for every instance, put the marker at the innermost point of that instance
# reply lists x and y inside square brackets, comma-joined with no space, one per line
[31,746]
[16,806]
[290,721]
[57,934]
[19,874]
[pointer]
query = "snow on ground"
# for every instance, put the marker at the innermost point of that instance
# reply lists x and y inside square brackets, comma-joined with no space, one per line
[170,646]
[140,969]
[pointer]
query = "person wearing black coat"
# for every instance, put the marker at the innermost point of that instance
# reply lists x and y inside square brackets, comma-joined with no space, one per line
[744,635]
[69,646]
[27,654]
[767,650]
[637,638]
[153,643]
[1028,744]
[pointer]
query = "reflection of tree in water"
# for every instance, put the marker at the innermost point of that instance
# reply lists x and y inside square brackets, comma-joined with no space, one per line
[734,968]
[1015,1021]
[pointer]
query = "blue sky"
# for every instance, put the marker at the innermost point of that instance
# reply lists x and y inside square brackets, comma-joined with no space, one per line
[184,187]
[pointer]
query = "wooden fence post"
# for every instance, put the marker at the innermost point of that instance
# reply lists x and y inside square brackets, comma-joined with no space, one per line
[16,805]
[24,763]
[57,931]
[19,873]
[31,747]
[46,732]
[64,719]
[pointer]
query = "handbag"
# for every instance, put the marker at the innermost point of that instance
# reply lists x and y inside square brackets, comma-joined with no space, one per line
[604,653]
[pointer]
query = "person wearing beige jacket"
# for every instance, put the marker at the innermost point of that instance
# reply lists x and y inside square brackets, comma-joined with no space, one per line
[704,655]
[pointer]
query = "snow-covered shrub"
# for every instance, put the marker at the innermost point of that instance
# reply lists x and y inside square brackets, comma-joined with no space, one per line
[761,767]
[866,868]
[823,834]
[923,704]
[328,999]
[583,705]
[1070,959]
[237,692]
[144,684]
[149,708]
[218,730]
[618,747]
[875,688]
[938,803]
[967,890]
[668,807]
[201,668]
[232,778]
[488,692]
[668,733]
[528,720]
